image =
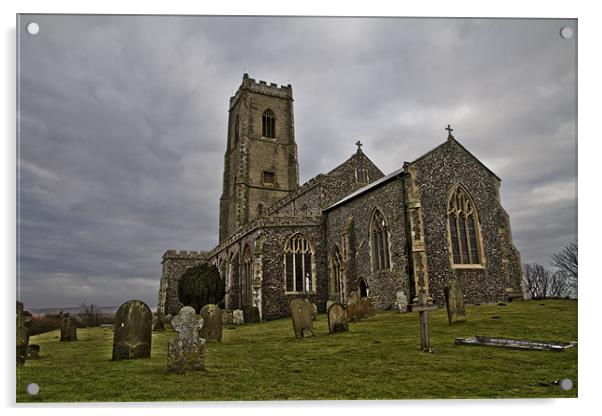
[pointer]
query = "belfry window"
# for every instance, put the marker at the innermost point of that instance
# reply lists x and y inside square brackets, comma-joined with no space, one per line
[379,238]
[464,236]
[298,265]
[268,124]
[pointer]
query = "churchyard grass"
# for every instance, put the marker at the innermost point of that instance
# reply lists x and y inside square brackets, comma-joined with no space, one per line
[378,358]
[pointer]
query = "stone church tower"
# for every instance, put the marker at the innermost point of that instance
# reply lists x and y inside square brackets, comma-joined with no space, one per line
[260,164]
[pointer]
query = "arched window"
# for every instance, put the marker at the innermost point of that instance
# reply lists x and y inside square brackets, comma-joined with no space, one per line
[247,277]
[298,265]
[268,124]
[379,238]
[337,270]
[463,221]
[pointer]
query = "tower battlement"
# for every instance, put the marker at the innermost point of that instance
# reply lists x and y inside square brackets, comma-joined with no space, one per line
[261,87]
[185,254]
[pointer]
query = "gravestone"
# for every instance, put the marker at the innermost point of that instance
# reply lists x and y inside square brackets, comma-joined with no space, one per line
[337,318]
[159,324]
[24,319]
[227,317]
[238,317]
[132,331]
[401,301]
[328,303]
[251,314]
[212,323]
[187,350]
[313,309]
[301,315]
[167,319]
[68,328]
[455,303]
[33,352]
[366,307]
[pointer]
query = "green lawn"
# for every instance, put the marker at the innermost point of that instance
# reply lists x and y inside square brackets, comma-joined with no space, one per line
[378,359]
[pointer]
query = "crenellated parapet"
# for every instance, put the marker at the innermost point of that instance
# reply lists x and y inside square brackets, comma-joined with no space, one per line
[185,255]
[261,87]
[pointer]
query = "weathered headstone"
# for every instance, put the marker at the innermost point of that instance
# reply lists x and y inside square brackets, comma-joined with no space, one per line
[401,301]
[167,319]
[251,314]
[212,323]
[227,317]
[328,303]
[68,328]
[33,352]
[187,351]
[455,303]
[159,324]
[238,317]
[366,307]
[337,318]
[301,315]
[132,331]
[24,319]
[313,309]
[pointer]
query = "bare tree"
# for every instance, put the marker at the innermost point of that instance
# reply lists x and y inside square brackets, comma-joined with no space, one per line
[566,263]
[558,286]
[89,315]
[536,279]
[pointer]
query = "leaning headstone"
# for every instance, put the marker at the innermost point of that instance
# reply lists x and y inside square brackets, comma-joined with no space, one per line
[328,303]
[366,307]
[33,352]
[187,351]
[301,314]
[227,317]
[337,318]
[68,328]
[159,324]
[353,307]
[212,323]
[238,317]
[24,319]
[251,314]
[401,301]
[132,331]
[455,303]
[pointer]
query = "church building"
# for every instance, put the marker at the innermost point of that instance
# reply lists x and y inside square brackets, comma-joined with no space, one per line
[436,219]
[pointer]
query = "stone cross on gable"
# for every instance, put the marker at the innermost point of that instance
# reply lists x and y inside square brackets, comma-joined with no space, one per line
[359,146]
[449,132]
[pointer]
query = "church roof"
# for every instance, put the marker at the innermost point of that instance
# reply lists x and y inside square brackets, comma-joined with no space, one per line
[368,187]
[453,139]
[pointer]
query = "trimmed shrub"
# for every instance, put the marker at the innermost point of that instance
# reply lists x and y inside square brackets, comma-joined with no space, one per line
[200,286]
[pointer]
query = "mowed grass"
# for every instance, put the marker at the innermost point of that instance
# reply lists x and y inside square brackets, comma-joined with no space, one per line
[379,358]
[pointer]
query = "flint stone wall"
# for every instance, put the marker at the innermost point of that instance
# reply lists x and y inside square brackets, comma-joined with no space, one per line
[437,174]
[382,284]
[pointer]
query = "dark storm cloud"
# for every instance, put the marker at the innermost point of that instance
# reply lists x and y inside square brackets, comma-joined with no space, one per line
[123,127]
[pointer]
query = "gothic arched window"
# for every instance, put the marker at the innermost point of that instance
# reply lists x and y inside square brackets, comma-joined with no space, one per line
[337,270]
[268,124]
[298,265]
[464,235]
[379,238]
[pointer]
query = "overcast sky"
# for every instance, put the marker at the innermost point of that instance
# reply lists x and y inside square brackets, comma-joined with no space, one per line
[123,128]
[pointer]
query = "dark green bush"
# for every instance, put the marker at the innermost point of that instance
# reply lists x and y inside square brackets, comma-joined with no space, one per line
[200,286]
